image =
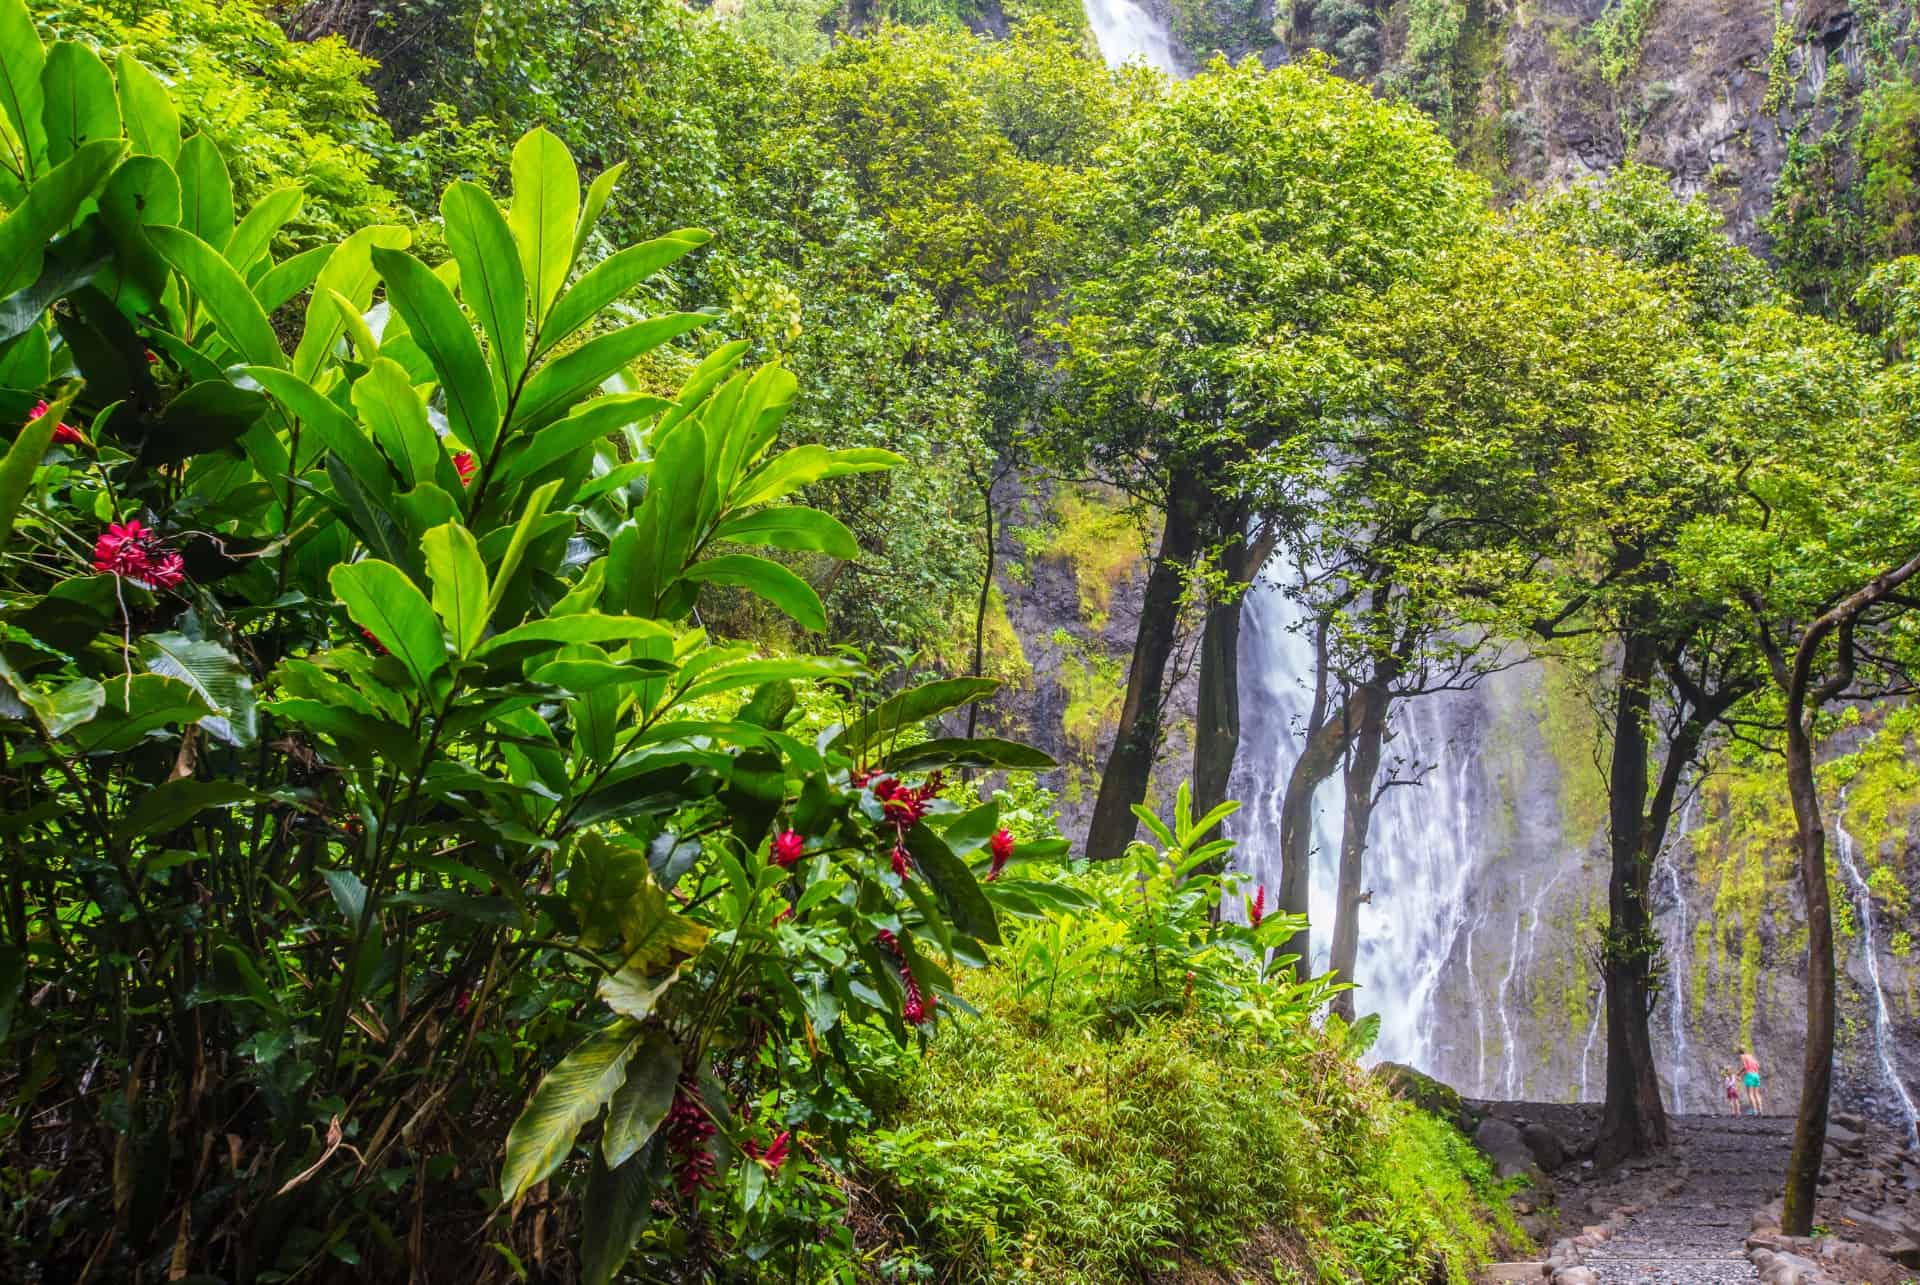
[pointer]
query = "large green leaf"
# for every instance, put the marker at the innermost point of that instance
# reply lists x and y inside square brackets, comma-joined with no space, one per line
[335,429]
[81,106]
[530,516]
[135,708]
[491,278]
[617,1208]
[459,583]
[585,627]
[633,992]
[792,526]
[766,579]
[209,416]
[562,382]
[49,207]
[984,752]
[206,191]
[384,602]
[598,194]
[23,457]
[390,407]
[348,272]
[955,885]
[612,278]
[213,672]
[909,709]
[255,233]
[546,205]
[571,1094]
[174,803]
[142,193]
[591,422]
[274,287]
[21,60]
[153,123]
[641,1103]
[440,328]
[615,898]
[235,312]
[803,466]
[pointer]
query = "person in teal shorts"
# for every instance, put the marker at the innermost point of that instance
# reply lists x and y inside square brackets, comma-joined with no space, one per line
[1750,1078]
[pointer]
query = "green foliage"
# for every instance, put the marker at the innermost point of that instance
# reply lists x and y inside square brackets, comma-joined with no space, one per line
[1140,1091]
[371,752]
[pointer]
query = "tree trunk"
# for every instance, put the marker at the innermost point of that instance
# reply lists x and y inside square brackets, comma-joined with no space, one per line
[980,608]
[1130,763]
[1816,1065]
[1633,1122]
[1325,746]
[1369,707]
[1216,736]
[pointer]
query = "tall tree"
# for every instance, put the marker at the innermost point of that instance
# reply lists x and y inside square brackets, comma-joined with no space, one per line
[1237,217]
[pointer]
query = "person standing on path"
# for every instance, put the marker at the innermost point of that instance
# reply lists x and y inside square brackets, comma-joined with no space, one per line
[1733,1090]
[1750,1076]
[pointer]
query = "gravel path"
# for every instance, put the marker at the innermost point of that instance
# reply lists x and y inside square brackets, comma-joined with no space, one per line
[1698,1236]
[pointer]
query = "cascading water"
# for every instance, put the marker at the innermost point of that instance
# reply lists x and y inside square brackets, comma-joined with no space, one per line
[1845,850]
[1676,939]
[1126,32]
[1419,859]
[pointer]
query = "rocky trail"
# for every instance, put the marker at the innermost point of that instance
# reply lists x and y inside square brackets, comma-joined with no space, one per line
[1707,1213]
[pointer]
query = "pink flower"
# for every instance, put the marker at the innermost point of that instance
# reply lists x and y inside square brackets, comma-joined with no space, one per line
[1001,845]
[1257,908]
[132,552]
[902,861]
[788,847]
[464,465]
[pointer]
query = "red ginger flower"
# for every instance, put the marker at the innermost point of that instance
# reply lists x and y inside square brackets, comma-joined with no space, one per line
[1257,908]
[688,1130]
[464,465]
[902,861]
[788,847]
[776,1153]
[1001,845]
[64,433]
[131,551]
[916,1006]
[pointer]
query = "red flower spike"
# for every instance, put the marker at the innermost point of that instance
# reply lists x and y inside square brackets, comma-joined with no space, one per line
[464,465]
[688,1130]
[129,550]
[783,916]
[775,1153]
[1257,909]
[1001,845]
[788,847]
[888,940]
[902,861]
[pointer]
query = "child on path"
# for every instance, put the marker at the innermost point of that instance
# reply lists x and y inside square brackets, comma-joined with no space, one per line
[1750,1076]
[1733,1090]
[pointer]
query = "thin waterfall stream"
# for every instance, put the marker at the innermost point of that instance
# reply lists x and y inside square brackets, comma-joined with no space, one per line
[1126,32]
[1846,852]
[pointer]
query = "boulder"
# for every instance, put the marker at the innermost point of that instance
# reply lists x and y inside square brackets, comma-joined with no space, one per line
[1548,1151]
[1425,1092]
[1500,1141]
[1576,1276]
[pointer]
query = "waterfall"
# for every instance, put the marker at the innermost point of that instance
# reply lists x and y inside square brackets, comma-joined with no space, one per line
[1844,850]
[1422,855]
[1675,943]
[1126,32]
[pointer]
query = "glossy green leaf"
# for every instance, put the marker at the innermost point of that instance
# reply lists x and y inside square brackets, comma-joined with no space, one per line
[612,278]
[563,382]
[459,583]
[22,59]
[491,278]
[584,627]
[617,1207]
[255,233]
[640,1104]
[570,1095]
[591,422]
[805,465]
[214,673]
[153,123]
[909,709]
[81,106]
[981,752]
[438,326]
[396,416]
[333,428]
[206,192]
[546,205]
[219,289]
[135,708]
[142,193]
[536,508]
[172,804]
[349,271]
[767,579]
[23,457]
[49,207]
[955,885]
[599,192]
[792,526]
[383,601]
[280,283]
